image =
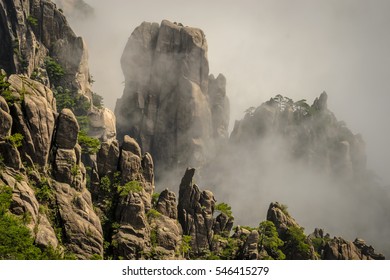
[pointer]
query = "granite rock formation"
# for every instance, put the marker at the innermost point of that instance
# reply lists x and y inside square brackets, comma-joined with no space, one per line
[170,104]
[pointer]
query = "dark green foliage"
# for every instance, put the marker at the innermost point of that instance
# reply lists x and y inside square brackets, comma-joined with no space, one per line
[319,243]
[5,198]
[64,98]
[88,144]
[224,208]
[83,123]
[54,70]
[97,100]
[16,242]
[185,246]
[32,20]
[269,240]
[44,192]
[295,244]
[229,252]
[105,184]
[132,186]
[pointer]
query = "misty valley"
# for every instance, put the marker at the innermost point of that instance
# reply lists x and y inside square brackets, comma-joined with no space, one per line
[162,176]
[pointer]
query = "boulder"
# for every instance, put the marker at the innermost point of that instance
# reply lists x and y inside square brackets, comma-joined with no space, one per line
[67,130]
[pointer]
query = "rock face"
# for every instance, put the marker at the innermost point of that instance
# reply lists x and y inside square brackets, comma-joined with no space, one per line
[34,29]
[341,249]
[278,214]
[195,212]
[47,163]
[102,124]
[167,205]
[37,41]
[168,105]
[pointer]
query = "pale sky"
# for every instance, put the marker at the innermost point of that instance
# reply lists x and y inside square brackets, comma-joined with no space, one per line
[297,48]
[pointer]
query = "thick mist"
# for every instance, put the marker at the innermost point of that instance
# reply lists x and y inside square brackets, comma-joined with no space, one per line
[294,48]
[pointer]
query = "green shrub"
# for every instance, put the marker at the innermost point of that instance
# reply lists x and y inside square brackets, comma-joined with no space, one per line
[270,241]
[185,246]
[16,242]
[64,98]
[32,20]
[44,193]
[152,213]
[83,122]
[54,70]
[132,186]
[5,198]
[224,208]
[295,244]
[88,144]
[105,184]
[15,140]
[230,250]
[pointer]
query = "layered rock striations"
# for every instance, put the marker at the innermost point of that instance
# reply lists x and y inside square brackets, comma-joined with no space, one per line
[170,104]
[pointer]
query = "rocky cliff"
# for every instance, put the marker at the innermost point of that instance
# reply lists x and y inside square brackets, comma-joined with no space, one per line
[67,195]
[38,42]
[170,104]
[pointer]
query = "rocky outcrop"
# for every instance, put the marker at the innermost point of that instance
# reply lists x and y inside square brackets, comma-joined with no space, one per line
[312,134]
[250,248]
[82,227]
[107,158]
[167,104]
[132,239]
[166,204]
[35,29]
[223,224]
[277,213]
[33,114]
[195,212]
[25,204]
[341,249]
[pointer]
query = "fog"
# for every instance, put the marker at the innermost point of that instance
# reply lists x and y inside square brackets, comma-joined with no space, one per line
[294,48]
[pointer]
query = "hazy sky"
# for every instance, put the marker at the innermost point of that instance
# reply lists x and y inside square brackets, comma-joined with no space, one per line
[267,47]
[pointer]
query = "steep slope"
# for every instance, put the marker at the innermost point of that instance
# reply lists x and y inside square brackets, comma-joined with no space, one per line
[38,42]
[170,104]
